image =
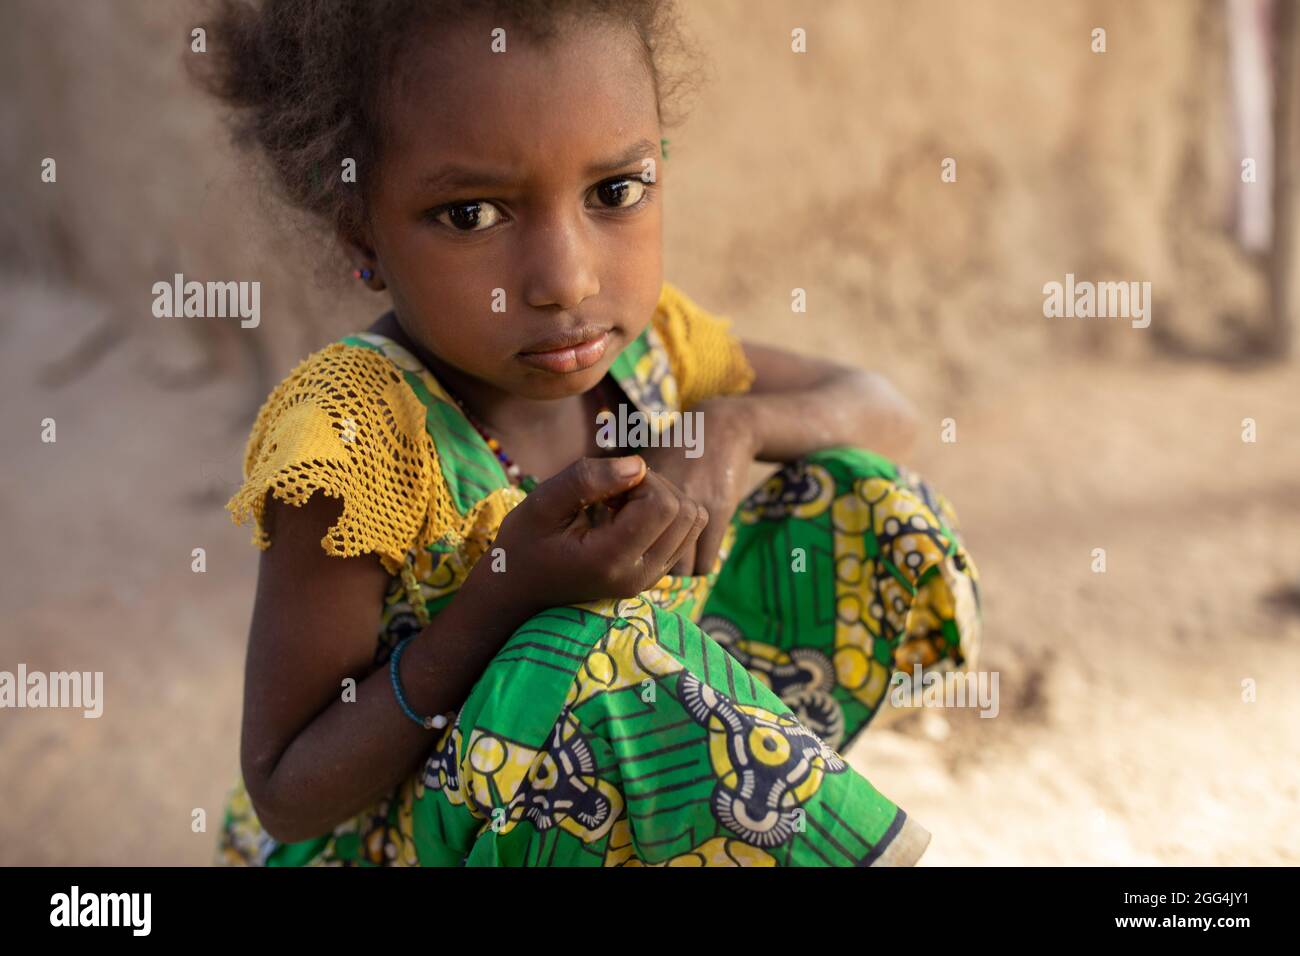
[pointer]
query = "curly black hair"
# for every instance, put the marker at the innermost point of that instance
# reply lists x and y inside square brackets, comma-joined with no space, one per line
[306,79]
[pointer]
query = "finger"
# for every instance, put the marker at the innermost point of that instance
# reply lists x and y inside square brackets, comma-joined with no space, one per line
[585,482]
[706,549]
[685,562]
[650,508]
[677,538]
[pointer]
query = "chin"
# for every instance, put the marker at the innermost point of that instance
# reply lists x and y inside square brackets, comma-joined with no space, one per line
[546,386]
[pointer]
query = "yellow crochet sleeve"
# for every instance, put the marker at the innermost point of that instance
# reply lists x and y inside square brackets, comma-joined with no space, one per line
[345,423]
[706,356]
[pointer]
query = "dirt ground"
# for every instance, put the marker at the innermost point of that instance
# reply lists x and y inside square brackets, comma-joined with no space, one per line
[1122,734]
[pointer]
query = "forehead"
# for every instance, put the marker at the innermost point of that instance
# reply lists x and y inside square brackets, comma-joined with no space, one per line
[586,90]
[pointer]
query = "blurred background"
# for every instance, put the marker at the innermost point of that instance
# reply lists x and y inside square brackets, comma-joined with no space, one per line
[1124,734]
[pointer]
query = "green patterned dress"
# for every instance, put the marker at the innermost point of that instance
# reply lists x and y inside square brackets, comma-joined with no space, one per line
[700,723]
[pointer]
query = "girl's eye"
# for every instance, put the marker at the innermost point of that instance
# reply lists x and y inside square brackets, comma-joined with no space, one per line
[621,193]
[468,216]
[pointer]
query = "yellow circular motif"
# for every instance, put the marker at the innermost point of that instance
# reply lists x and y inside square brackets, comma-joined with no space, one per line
[849,569]
[851,667]
[601,667]
[874,490]
[850,516]
[487,755]
[848,608]
[769,746]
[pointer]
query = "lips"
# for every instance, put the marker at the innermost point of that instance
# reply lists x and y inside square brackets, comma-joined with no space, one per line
[569,351]
[564,340]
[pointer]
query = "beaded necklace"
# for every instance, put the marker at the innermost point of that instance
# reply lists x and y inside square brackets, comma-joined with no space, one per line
[524,481]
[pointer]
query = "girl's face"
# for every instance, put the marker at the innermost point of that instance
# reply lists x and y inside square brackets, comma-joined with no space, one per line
[510,217]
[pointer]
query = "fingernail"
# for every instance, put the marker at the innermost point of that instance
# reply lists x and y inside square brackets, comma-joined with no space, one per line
[627,467]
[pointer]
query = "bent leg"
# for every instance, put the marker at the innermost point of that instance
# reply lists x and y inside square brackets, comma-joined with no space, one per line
[845,567]
[618,733]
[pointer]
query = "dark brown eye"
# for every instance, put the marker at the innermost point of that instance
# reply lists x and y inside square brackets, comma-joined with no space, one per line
[621,193]
[469,216]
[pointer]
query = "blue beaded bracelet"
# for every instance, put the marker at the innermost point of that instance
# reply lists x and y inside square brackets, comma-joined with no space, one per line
[428,723]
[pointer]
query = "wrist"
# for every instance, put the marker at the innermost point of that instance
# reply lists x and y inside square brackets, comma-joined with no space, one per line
[495,596]
[472,627]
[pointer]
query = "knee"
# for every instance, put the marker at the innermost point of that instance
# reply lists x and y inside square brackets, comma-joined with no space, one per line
[851,467]
[570,645]
[899,536]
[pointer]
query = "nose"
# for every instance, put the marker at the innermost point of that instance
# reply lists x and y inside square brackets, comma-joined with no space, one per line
[560,265]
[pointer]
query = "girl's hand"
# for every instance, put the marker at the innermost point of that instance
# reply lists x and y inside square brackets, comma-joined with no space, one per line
[717,479]
[602,528]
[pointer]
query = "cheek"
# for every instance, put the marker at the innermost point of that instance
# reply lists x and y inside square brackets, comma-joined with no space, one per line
[449,293]
[638,273]
[458,325]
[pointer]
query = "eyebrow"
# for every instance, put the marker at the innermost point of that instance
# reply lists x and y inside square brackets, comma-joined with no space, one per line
[453,176]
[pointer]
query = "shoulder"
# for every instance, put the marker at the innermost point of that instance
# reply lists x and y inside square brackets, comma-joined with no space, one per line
[706,356]
[341,403]
[346,384]
[343,422]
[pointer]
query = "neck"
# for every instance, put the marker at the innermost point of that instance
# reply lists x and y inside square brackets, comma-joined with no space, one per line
[499,410]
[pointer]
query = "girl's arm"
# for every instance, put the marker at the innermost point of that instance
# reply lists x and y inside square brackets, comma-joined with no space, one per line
[797,405]
[310,759]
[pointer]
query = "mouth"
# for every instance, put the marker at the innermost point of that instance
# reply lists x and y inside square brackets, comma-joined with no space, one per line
[569,352]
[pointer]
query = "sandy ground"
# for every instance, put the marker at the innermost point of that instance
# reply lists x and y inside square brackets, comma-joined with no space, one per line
[1122,735]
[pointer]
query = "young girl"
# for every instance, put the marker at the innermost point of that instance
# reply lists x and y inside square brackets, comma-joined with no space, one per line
[582,658]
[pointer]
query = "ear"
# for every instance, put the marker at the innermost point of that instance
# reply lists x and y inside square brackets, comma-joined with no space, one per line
[358,248]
